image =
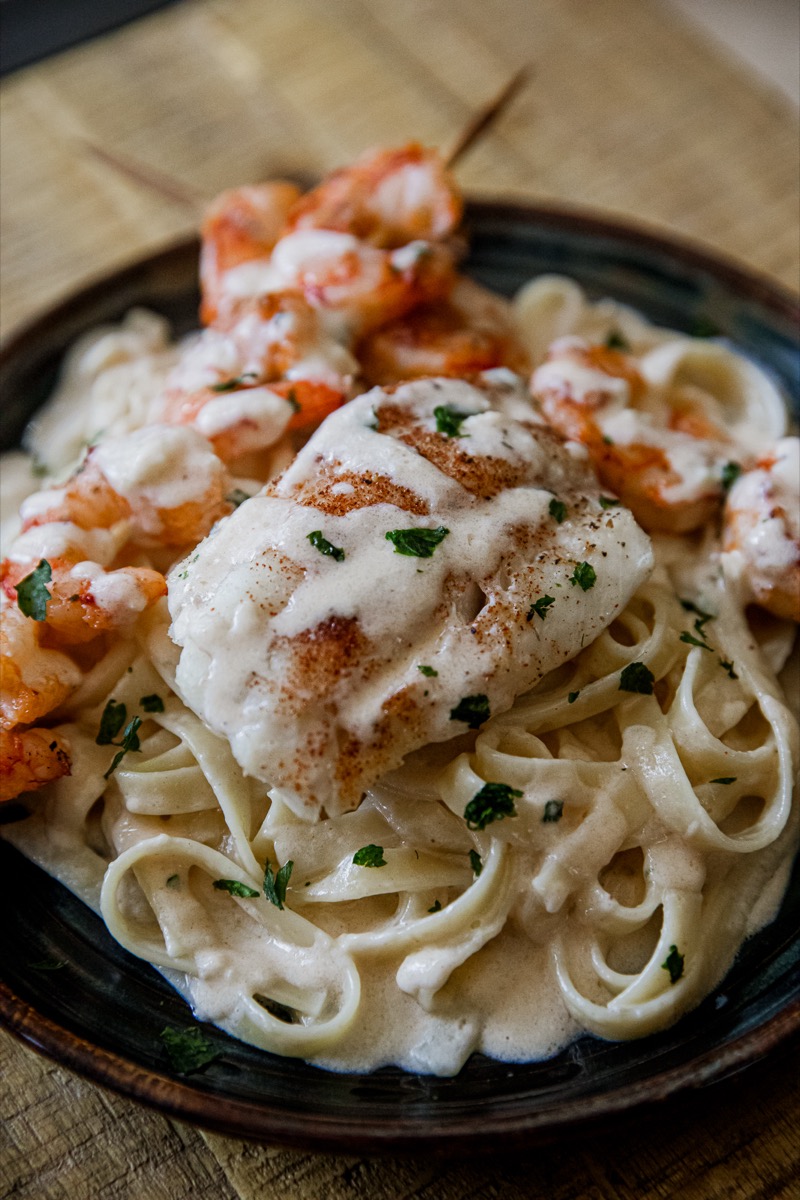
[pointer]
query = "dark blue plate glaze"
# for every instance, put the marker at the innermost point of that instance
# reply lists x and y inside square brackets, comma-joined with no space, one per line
[101,1013]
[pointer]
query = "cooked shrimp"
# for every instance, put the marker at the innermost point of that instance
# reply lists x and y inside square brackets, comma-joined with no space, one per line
[85,599]
[159,487]
[354,285]
[761,537]
[472,331]
[357,287]
[165,483]
[29,759]
[666,464]
[387,198]
[366,244]
[33,679]
[242,224]
[226,382]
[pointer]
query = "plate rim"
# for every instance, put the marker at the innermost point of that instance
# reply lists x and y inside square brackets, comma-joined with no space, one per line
[756,284]
[261,1121]
[268,1122]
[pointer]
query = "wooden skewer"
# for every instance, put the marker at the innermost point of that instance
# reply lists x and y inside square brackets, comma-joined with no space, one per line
[486,116]
[190,198]
[150,178]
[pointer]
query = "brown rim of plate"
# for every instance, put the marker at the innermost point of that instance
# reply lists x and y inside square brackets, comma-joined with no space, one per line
[463,1133]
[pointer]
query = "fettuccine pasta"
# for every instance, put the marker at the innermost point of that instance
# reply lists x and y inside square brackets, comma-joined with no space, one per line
[583,848]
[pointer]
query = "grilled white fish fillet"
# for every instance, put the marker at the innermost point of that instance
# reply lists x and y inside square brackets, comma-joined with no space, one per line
[320,643]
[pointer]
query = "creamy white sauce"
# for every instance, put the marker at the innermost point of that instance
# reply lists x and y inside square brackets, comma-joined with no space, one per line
[295,254]
[116,592]
[40,503]
[59,539]
[259,415]
[581,383]
[157,468]
[110,384]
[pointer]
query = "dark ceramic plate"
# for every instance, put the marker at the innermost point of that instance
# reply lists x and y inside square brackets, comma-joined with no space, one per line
[102,1012]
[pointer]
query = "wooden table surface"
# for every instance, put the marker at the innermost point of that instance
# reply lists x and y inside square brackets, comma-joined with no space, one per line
[628,111]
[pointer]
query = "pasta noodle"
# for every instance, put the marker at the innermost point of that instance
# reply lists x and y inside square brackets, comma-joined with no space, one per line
[639,822]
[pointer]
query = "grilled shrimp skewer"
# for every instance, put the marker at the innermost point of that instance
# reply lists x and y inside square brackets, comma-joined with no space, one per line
[290,284]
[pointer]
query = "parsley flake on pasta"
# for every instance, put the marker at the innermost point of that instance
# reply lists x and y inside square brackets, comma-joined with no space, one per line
[369,856]
[673,964]
[494,802]
[637,677]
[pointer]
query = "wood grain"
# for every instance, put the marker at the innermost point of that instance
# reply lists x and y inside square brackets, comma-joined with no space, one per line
[62,1137]
[628,111]
[218,92]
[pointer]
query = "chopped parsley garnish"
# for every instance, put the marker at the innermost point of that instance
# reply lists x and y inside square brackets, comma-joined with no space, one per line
[130,741]
[237,497]
[617,341]
[173,881]
[48,964]
[275,883]
[636,677]
[584,575]
[324,546]
[449,420]
[572,697]
[553,810]
[730,473]
[188,1049]
[725,779]
[152,703]
[428,672]
[607,441]
[281,1012]
[474,710]
[674,964]
[691,640]
[32,594]
[435,907]
[690,606]
[540,607]
[494,802]
[609,502]
[475,863]
[557,510]
[111,723]
[234,888]
[293,401]
[728,666]
[230,385]
[416,543]
[369,856]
